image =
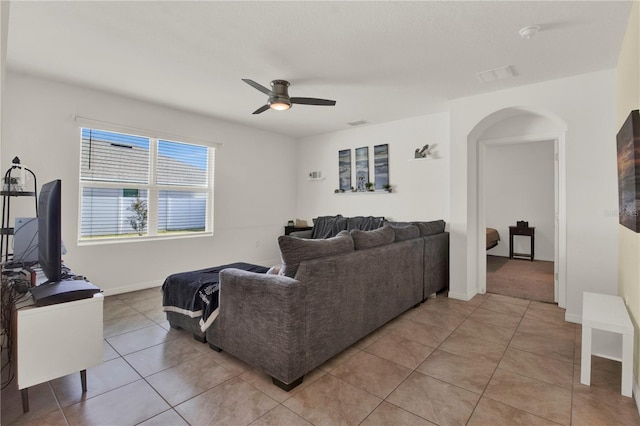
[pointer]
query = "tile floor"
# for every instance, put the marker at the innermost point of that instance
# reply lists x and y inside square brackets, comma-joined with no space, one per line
[491,361]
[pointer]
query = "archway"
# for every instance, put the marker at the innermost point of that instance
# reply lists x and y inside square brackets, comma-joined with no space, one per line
[506,126]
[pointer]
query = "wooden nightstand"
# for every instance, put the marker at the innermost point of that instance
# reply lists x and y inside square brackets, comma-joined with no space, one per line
[525,231]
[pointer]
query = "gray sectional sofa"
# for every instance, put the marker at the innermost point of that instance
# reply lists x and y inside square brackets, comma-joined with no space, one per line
[331,293]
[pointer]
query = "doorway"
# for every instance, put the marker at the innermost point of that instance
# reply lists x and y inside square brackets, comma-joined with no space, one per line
[511,126]
[519,187]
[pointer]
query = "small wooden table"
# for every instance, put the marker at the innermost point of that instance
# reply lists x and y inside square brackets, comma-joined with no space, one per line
[524,231]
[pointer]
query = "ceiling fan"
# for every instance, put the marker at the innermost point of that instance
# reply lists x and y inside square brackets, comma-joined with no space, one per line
[279,96]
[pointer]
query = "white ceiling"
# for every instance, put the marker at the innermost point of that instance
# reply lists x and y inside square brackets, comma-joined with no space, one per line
[381,61]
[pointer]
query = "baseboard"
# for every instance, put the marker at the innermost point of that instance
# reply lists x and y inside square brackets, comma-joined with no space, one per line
[577,319]
[132,287]
[461,296]
[636,393]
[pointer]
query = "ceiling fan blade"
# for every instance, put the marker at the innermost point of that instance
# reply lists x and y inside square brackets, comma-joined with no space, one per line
[312,101]
[261,109]
[258,86]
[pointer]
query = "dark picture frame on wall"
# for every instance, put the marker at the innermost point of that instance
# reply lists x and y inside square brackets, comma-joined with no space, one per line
[628,144]
[362,168]
[344,169]
[381,165]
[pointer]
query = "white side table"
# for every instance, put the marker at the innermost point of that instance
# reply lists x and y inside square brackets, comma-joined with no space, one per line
[607,313]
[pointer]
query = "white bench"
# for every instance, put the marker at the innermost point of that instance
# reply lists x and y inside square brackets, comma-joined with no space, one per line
[607,313]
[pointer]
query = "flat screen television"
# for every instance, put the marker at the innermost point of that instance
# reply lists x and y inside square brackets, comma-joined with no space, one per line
[50,230]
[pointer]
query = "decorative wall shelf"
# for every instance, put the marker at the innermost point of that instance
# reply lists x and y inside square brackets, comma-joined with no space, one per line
[424,159]
[315,178]
[362,192]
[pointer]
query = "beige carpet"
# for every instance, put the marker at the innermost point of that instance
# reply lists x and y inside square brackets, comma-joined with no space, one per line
[520,278]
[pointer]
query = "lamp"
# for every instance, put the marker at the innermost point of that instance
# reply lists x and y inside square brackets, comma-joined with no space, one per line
[279,105]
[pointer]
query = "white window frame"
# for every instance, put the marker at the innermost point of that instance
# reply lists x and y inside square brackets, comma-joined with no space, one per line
[153,189]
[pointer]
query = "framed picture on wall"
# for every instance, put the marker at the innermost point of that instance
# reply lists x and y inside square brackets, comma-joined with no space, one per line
[381,165]
[344,169]
[628,140]
[362,168]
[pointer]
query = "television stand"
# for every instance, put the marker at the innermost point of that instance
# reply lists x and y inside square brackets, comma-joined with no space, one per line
[24,393]
[56,340]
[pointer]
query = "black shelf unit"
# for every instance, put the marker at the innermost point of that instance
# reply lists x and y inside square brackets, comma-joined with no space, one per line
[6,230]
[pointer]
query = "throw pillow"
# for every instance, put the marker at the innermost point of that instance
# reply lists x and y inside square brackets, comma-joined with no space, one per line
[406,232]
[369,239]
[430,228]
[295,250]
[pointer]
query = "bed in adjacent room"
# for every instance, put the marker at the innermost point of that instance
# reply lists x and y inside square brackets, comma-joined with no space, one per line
[492,238]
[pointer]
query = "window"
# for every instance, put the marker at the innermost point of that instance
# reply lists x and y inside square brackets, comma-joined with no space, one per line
[135,186]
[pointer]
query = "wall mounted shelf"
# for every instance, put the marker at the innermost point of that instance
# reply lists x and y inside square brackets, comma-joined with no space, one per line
[424,159]
[315,178]
[362,192]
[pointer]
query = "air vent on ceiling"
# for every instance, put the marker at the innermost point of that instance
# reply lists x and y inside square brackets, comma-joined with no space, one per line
[358,123]
[495,74]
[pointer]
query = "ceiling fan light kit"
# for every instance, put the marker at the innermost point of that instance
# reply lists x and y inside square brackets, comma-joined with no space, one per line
[279,105]
[279,98]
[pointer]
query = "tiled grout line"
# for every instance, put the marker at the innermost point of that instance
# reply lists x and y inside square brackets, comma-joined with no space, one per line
[171,407]
[279,403]
[522,317]
[572,371]
[400,384]
[474,309]
[435,378]
[394,389]
[498,364]
[418,372]
[124,360]
[494,371]
[57,403]
[405,379]
[501,358]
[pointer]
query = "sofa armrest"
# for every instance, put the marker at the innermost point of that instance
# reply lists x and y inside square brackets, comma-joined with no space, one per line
[302,234]
[261,321]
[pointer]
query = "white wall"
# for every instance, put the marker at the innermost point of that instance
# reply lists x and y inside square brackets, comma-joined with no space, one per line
[586,104]
[519,185]
[254,180]
[420,188]
[628,99]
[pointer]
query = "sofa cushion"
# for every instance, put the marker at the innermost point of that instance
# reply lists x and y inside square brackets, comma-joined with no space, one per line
[295,250]
[405,232]
[369,239]
[430,228]
[328,226]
